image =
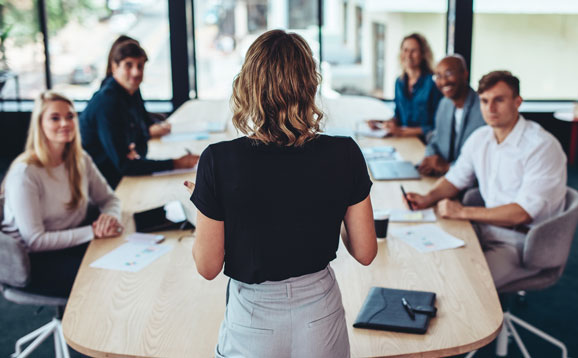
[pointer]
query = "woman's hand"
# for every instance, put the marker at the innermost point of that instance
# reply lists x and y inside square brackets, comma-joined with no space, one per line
[186,161]
[132,153]
[106,226]
[392,128]
[159,129]
[190,186]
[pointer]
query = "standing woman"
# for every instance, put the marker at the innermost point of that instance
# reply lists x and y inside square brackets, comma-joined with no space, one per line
[271,205]
[48,189]
[416,95]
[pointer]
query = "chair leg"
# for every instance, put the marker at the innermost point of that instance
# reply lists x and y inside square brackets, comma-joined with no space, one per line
[502,340]
[38,336]
[57,346]
[539,333]
[62,342]
[516,336]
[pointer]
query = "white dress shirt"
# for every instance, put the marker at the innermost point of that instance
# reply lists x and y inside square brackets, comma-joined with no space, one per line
[528,168]
[458,116]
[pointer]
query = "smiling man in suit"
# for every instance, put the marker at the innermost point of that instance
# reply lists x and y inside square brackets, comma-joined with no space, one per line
[457,116]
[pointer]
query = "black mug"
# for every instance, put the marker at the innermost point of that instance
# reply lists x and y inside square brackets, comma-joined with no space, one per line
[381,220]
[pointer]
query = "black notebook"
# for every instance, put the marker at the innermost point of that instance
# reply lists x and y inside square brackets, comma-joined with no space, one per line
[171,216]
[383,310]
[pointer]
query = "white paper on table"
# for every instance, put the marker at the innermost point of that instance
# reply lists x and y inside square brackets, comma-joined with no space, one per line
[415,216]
[216,127]
[131,257]
[175,212]
[175,171]
[337,131]
[426,238]
[372,133]
[184,136]
[384,152]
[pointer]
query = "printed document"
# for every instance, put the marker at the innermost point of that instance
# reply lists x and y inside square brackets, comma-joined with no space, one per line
[426,238]
[131,257]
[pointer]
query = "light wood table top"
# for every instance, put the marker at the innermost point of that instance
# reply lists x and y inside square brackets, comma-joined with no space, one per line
[168,310]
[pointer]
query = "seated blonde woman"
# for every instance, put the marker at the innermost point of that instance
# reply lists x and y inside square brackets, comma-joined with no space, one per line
[270,208]
[47,192]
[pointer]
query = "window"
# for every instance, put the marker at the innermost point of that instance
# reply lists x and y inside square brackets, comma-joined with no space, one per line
[21,50]
[224,30]
[536,40]
[82,31]
[361,41]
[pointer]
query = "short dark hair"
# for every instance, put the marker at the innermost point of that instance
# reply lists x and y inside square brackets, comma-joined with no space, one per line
[118,41]
[491,79]
[128,48]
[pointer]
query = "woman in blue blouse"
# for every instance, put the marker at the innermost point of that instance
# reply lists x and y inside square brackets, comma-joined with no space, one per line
[416,95]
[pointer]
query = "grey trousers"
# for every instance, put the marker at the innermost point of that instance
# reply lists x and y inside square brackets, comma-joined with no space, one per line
[503,250]
[298,317]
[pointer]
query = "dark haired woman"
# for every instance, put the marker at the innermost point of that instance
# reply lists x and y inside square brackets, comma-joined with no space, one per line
[114,123]
[270,208]
[156,123]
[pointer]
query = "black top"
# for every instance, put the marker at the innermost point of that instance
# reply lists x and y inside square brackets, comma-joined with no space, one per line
[282,206]
[112,120]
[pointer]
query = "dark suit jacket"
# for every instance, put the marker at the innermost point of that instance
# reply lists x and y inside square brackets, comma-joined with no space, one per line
[472,119]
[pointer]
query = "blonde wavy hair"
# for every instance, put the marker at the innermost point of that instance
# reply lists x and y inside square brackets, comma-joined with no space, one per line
[37,152]
[426,64]
[273,97]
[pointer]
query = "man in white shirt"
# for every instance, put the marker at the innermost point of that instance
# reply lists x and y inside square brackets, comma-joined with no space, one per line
[521,170]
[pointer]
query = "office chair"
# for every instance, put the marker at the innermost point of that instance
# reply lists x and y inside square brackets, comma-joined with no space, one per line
[14,276]
[546,247]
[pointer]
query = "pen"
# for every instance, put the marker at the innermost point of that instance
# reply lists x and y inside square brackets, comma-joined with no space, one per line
[189,151]
[408,308]
[406,199]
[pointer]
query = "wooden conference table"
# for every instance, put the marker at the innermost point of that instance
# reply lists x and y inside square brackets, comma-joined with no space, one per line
[168,310]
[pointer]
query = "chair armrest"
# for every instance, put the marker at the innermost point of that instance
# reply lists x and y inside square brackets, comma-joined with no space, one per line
[14,262]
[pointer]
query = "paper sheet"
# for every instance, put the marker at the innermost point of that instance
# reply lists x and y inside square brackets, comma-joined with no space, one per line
[426,238]
[408,216]
[175,171]
[372,133]
[381,153]
[184,136]
[131,257]
[337,131]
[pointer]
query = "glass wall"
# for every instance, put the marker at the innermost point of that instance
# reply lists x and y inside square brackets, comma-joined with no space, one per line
[536,40]
[82,31]
[21,50]
[224,30]
[361,41]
